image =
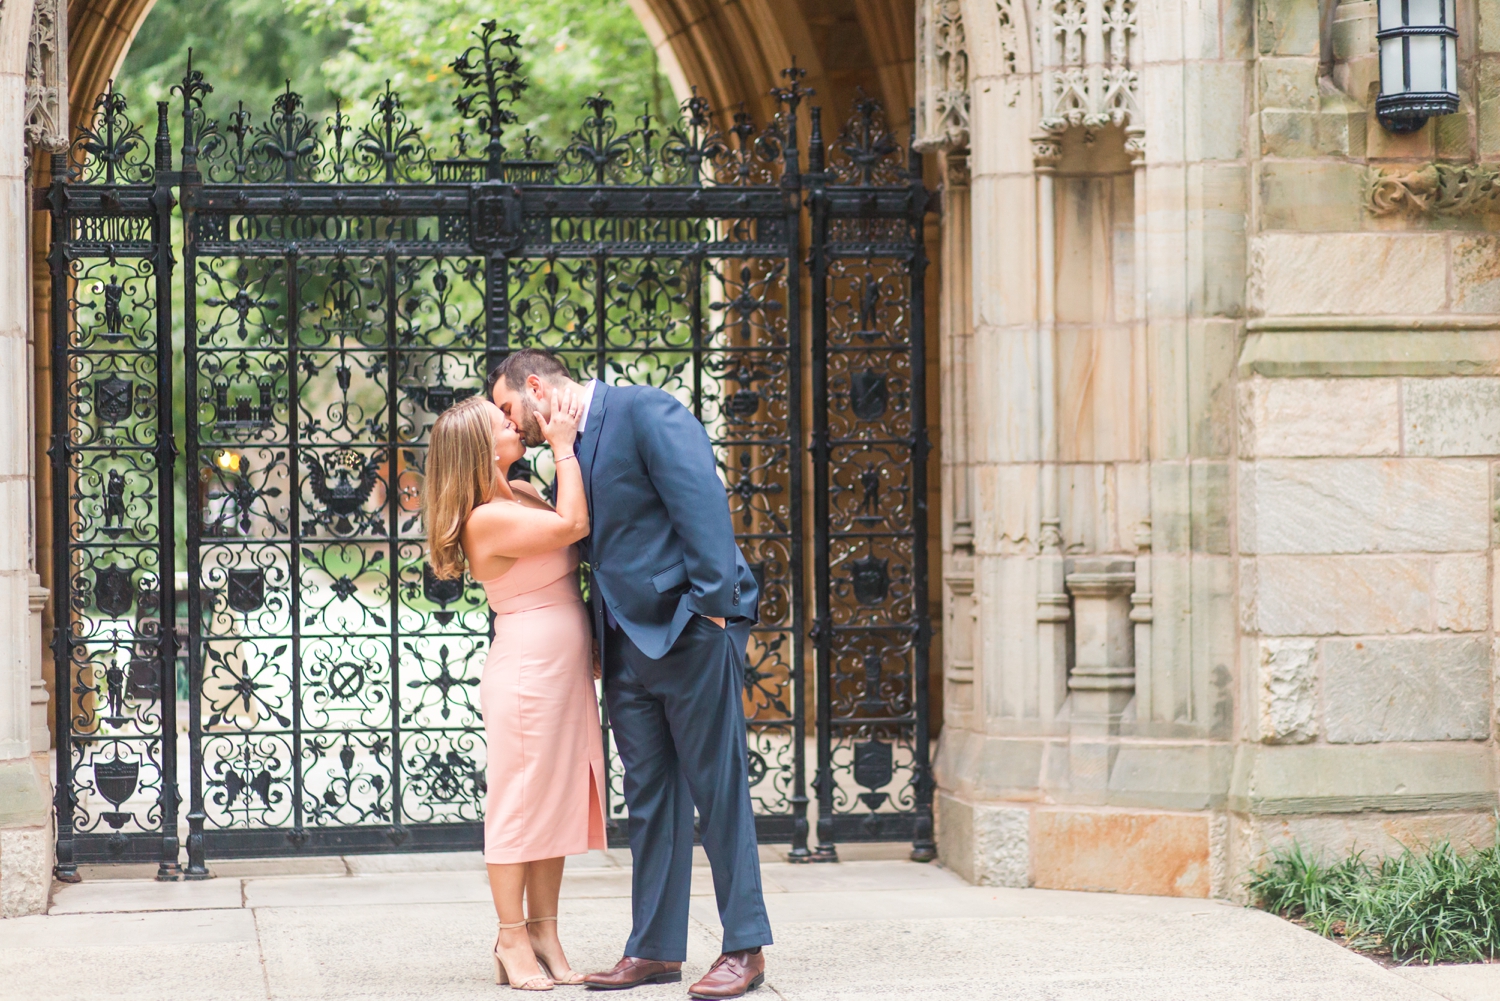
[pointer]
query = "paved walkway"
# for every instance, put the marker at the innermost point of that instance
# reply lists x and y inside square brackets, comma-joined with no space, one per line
[415,926]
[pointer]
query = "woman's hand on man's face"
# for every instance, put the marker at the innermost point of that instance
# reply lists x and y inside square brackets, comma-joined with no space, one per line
[562,426]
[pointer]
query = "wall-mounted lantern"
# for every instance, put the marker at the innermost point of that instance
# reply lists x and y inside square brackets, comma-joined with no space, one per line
[1418,62]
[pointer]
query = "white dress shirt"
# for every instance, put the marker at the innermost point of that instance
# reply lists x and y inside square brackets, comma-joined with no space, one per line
[588,398]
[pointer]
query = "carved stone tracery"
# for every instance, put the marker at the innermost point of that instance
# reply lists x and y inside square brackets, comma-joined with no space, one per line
[47,77]
[942,76]
[1090,51]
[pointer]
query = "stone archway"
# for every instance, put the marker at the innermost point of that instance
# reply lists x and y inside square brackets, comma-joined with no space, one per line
[732,52]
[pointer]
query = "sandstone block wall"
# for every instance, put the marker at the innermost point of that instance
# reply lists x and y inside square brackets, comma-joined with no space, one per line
[1296,444]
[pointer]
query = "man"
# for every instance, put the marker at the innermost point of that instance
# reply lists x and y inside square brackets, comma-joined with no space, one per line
[674,601]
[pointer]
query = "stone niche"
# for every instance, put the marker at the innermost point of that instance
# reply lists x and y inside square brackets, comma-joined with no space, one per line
[1101,672]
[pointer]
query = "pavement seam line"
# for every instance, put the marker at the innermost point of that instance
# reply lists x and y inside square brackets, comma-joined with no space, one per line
[260,952]
[142,910]
[1417,983]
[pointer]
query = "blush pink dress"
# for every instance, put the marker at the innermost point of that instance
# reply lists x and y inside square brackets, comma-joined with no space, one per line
[541,717]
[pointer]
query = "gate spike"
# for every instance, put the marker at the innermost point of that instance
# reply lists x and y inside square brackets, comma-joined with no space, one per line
[815,141]
[163,138]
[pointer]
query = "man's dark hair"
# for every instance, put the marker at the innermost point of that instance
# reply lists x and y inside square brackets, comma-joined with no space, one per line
[515,367]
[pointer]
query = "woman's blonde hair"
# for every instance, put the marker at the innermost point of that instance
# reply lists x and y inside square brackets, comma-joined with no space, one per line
[461,475]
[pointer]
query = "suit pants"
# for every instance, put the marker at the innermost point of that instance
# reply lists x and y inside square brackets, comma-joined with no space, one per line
[679,725]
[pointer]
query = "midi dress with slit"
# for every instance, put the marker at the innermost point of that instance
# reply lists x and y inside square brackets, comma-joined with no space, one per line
[545,769]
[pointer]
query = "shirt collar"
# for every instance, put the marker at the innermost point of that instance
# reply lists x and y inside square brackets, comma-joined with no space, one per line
[588,399]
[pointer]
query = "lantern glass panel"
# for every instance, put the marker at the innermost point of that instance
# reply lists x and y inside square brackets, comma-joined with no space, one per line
[1392,68]
[1425,12]
[1390,14]
[1427,63]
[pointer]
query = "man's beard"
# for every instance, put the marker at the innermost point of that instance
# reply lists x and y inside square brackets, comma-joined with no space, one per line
[531,430]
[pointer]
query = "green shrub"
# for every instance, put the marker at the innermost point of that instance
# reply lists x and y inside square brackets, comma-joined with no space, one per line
[1297,886]
[1432,905]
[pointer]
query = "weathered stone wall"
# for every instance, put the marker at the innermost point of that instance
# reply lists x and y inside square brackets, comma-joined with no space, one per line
[1270,387]
[1369,420]
[25,823]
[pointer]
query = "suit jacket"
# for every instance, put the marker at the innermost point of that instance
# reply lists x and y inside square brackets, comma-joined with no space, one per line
[661,544]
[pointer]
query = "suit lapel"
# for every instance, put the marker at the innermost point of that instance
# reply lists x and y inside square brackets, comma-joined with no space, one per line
[588,447]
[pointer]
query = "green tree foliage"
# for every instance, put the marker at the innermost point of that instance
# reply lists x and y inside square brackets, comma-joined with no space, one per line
[348,49]
[248,49]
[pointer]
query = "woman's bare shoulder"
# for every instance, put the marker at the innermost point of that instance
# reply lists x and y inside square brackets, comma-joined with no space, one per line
[525,490]
[490,512]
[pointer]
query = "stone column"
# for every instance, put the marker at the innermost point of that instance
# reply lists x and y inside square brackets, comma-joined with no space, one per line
[40,733]
[960,625]
[1051,599]
[15,389]
[25,815]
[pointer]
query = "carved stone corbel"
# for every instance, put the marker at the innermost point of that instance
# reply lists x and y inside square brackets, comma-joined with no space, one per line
[47,78]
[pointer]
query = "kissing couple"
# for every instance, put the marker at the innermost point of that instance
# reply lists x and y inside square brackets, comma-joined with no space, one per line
[672,602]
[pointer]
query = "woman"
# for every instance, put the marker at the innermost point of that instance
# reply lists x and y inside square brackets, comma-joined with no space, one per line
[545,757]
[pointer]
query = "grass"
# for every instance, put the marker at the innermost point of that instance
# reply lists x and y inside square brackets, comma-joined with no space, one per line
[1429,905]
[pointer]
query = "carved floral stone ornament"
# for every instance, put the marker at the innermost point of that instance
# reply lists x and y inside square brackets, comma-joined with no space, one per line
[1090,49]
[942,76]
[1418,62]
[1441,189]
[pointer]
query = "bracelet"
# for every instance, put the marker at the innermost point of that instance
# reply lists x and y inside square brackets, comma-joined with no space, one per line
[564,459]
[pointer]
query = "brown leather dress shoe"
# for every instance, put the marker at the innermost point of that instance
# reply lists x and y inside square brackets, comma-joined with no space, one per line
[733,974]
[632,972]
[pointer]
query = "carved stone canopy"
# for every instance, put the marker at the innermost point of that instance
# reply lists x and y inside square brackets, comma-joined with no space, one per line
[1090,50]
[47,77]
[942,76]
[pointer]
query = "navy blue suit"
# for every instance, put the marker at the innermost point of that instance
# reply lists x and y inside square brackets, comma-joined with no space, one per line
[664,558]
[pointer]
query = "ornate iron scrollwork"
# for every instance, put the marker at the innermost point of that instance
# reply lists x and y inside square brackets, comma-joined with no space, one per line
[116,781]
[869,394]
[495,219]
[245,590]
[871,578]
[344,285]
[241,414]
[115,397]
[113,591]
[342,482]
[441,593]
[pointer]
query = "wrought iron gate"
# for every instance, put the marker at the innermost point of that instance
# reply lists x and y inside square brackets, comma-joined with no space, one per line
[341,285]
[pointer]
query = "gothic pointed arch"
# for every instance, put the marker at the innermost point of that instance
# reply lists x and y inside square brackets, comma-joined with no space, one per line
[733,53]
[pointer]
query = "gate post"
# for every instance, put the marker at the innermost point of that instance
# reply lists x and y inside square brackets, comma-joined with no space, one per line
[822,631]
[192,90]
[791,183]
[923,848]
[162,203]
[66,868]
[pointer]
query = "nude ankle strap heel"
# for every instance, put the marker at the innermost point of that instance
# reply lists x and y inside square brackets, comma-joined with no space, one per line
[572,978]
[540,982]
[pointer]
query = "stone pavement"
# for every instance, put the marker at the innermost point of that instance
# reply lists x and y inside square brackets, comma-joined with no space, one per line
[418,926]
